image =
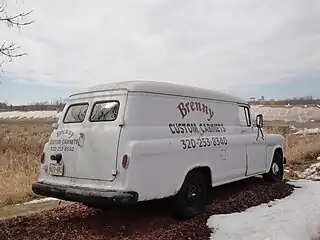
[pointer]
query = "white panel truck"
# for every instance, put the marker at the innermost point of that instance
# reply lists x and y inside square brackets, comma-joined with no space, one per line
[122,143]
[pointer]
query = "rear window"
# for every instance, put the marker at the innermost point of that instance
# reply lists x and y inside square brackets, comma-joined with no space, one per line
[105,111]
[76,113]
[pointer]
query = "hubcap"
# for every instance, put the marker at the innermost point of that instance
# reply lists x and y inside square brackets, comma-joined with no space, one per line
[193,193]
[275,168]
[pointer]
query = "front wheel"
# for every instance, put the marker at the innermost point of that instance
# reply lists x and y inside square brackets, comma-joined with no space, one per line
[275,173]
[191,198]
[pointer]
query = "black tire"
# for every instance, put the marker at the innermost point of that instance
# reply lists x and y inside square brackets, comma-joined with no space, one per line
[275,173]
[191,198]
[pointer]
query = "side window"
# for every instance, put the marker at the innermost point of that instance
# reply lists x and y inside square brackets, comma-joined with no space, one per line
[244,116]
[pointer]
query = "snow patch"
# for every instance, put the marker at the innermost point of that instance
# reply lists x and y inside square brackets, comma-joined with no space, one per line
[39,201]
[293,128]
[288,114]
[29,114]
[312,172]
[307,131]
[295,217]
[318,158]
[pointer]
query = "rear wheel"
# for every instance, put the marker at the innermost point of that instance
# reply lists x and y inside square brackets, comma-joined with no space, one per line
[191,198]
[275,173]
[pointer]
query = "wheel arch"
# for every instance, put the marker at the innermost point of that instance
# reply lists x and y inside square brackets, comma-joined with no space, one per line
[204,169]
[277,149]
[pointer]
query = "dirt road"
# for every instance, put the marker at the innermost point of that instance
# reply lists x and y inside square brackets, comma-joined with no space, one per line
[145,221]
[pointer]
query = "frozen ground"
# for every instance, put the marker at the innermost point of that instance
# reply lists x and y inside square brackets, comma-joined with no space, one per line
[305,131]
[312,172]
[295,217]
[294,114]
[42,200]
[28,114]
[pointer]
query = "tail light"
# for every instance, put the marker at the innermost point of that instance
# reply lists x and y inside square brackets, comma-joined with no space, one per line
[125,161]
[42,158]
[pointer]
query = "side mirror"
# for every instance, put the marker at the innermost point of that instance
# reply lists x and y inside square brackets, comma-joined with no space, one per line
[55,125]
[259,121]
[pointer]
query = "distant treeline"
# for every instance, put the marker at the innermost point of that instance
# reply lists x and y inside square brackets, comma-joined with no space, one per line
[41,106]
[309,102]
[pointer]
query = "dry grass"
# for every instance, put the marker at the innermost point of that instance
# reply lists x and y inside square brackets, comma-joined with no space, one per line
[300,150]
[21,144]
[26,209]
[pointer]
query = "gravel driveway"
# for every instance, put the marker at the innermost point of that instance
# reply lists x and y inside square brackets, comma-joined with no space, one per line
[145,221]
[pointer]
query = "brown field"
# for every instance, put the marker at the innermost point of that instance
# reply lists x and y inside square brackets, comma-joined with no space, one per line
[21,143]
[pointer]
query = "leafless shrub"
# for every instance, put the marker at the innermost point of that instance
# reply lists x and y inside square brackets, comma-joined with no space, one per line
[10,50]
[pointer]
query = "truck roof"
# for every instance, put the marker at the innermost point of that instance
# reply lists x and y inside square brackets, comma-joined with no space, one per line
[165,88]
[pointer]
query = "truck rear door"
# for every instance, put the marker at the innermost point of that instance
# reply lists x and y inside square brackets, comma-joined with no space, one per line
[99,138]
[63,142]
[87,137]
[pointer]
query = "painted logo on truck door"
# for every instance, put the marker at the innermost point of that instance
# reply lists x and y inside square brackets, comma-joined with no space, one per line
[192,106]
[186,128]
[184,109]
[65,141]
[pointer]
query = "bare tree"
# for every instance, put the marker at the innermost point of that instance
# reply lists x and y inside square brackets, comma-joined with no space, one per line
[10,50]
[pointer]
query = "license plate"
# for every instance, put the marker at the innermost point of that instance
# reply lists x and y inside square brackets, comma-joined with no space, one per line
[56,169]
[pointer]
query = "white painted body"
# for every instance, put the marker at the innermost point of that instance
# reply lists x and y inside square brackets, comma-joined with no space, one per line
[146,130]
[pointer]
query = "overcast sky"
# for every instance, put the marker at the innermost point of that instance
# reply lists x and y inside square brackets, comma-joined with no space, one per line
[246,47]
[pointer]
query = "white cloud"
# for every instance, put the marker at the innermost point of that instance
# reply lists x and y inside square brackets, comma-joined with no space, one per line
[214,44]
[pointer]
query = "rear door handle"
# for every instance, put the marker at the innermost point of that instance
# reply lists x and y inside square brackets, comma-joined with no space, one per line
[81,137]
